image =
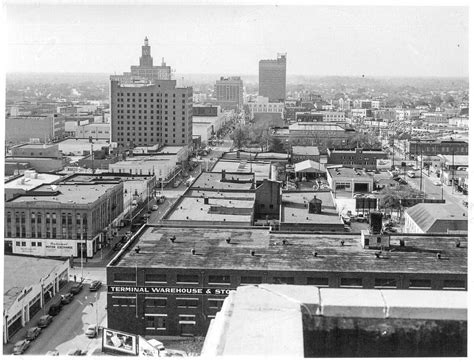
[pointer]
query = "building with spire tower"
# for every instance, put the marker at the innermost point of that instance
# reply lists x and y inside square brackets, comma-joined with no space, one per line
[148,109]
[146,69]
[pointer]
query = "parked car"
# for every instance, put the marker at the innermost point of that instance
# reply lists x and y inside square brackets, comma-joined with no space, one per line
[154,207]
[67,298]
[356,196]
[159,346]
[92,331]
[45,321]
[117,246]
[52,353]
[55,309]
[437,183]
[95,285]
[76,288]
[32,333]
[21,346]
[361,217]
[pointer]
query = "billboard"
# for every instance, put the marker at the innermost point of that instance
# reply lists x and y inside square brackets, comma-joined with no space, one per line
[384,164]
[120,342]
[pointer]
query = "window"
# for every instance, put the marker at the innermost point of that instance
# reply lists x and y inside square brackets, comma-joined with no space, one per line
[351,282]
[215,303]
[219,279]
[23,243]
[283,280]
[155,278]
[420,283]
[17,243]
[454,284]
[187,278]
[385,283]
[187,302]
[39,243]
[155,321]
[123,301]
[324,282]
[124,277]
[249,279]
[155,302]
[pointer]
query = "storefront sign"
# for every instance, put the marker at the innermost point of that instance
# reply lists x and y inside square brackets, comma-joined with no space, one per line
[119,341]
[60,247]
[167,290]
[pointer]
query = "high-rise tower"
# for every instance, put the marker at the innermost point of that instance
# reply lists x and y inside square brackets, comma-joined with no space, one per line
[272,78]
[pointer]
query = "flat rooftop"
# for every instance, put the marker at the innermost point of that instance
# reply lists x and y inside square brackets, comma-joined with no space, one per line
[81,144]
[347,172]
[99,178]
[234,181]
[35,146]
[75,194]
[261,169]
[213,252]
[295,209]
[15,279]
[218,209]
[28,183]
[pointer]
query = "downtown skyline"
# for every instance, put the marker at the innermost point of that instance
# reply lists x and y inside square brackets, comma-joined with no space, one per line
[319,40]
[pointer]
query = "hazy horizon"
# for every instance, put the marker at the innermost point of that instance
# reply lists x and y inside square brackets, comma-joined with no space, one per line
[375,41]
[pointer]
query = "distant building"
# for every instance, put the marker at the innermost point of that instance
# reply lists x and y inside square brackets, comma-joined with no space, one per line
[40,157]
[40,128]
[361,112]
[357,158]
[435,218]
[146,114]
[208,121]
[148,108]
[264,105]
[349,180]
[272,78]
[435,147]
[146,69]
[29,180]
[302,153]
[434,117]
[94,130]
[321,116]
[229,92]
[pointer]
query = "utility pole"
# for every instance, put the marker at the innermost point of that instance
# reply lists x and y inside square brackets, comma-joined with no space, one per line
[421,168]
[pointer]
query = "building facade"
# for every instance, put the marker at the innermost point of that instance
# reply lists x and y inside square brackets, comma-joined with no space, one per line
[173,281]
[229,92]
[62,219]
[146,114]
[40,128]
[435,147]
[357,158]
[272,78]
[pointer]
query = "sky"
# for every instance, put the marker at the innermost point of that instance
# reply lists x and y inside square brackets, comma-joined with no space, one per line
[230,39]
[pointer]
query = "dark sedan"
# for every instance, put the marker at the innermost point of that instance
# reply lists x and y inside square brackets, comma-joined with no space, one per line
[76,288]
[95,285]
[67,298]
[32,333]
[45,321]
[21,346]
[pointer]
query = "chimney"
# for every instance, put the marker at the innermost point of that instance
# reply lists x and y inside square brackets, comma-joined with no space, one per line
[252,252]
[315,254]
[284,242]
[227,240]
[193,251]
[173,238]
[206,201]
[223,175]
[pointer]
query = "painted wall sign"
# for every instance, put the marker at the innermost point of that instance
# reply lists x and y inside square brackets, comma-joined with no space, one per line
[167,290]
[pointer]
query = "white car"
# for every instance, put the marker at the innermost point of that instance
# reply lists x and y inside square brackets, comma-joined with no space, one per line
[437,183]
[91,331]
[154,207]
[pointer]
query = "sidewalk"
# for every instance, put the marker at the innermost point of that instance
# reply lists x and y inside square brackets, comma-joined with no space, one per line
[33,322]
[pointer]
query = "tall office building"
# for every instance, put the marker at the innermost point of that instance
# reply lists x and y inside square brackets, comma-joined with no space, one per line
[146,69]
[149,110]
[229,92]
[272,78]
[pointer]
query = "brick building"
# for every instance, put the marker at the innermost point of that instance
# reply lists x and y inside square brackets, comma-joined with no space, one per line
[173,281]
[272,78]
[356,158]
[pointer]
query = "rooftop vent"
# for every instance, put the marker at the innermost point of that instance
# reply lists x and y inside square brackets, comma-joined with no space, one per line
[227,240]
[342,242]
[458,244]
[252,252]
[315,254]
[402,243]
[378,254]
[173,238]
[193,251]
[438,255]
[137,250]
[284,241]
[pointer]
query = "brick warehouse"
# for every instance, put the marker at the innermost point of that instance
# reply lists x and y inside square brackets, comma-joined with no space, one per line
[173,281]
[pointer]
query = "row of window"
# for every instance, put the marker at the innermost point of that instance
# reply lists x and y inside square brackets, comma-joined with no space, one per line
[121,94]
[317,281]
[152,303]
